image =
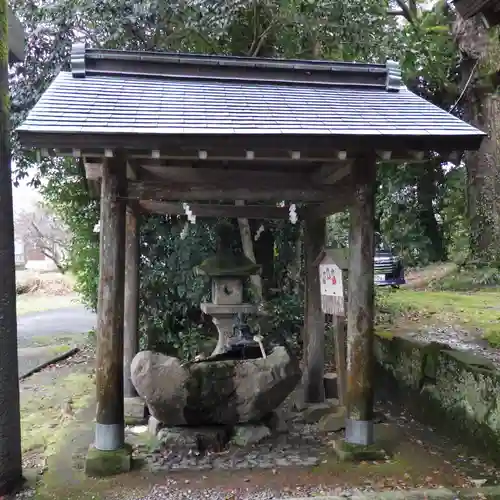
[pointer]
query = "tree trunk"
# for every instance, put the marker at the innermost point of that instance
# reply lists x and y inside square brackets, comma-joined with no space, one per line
[264,255]
[483,181]
[481,109]
[296,266]
[247,244]
[10,427]
[426,185]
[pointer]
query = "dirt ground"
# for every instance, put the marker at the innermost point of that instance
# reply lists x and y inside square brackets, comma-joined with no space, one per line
[55,442]
[37,291]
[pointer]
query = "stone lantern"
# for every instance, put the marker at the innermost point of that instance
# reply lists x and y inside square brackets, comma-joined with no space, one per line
[228,271]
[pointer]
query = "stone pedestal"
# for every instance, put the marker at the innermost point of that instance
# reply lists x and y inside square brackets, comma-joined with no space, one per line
[108,463]
[134,411]
[347,452]
[223,318]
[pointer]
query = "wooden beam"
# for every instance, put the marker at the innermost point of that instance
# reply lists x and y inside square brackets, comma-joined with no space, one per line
[206,177]
[359,427]
[246,162]
[215,210]
[331,173]
[222,176]
[109,431]
[131,304]
[339,199]
[132,171]
[93,170]
[187,193]
[314,242]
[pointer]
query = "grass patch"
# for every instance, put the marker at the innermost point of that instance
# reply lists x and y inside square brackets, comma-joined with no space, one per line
[37,303]
[42,420]
[47,340]
[479,310]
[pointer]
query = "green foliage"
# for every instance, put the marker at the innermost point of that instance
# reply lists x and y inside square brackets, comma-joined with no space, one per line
[386,308]
[286,317]
[338,230]
[454,213]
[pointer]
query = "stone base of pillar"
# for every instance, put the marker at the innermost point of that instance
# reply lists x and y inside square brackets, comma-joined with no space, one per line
[359,432]
[383,440]
[347,452]
[108,463]
[135,411]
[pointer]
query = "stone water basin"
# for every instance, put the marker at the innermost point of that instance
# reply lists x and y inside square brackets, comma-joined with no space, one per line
[215,391]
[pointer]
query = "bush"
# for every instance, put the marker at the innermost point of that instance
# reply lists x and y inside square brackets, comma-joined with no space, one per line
[170,316]
[468,277]
[286,318]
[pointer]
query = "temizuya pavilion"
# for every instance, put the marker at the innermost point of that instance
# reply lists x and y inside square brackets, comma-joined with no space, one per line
[157,130]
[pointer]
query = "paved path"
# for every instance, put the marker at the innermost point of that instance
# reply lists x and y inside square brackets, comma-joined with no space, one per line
[46,334]
[65,322]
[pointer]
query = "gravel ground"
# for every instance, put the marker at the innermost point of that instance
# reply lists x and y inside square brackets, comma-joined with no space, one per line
[459,339]
[302,446]
[170,493]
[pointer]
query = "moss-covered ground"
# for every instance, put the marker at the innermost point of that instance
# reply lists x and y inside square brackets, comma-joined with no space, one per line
[49,401]
[477,311]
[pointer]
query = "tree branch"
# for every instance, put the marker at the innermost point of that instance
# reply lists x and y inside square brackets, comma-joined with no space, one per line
[406,12]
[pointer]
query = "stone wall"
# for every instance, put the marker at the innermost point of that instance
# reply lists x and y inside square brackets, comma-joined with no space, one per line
[455,391]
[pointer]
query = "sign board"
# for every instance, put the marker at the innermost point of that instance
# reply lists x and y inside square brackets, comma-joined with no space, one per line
[331,283]
[331,269]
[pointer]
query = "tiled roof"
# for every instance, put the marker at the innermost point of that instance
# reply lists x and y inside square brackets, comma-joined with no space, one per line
[112,104]
[114,92]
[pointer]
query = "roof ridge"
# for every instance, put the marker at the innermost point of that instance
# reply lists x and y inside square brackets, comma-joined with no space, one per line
[86,61]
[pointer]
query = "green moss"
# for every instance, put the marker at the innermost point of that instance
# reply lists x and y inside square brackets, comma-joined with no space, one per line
[60,349]
[201,389]
[42,424]
[4,48]
[348,452]
[134,421]
[479,310]
[385,334]
[108,463]
[48,340]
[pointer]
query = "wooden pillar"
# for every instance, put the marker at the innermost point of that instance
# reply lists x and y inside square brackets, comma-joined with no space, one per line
[10,428]
[131,305]
[109,432]
[340,357]
[360,363]
[314,334]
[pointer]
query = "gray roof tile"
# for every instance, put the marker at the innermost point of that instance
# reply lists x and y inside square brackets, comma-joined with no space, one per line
[129,104]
